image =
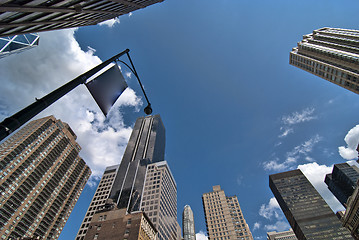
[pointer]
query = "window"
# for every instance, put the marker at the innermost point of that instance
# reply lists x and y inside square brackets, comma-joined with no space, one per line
[96,236]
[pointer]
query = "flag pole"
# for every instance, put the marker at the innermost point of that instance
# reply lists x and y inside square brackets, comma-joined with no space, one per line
[15,121]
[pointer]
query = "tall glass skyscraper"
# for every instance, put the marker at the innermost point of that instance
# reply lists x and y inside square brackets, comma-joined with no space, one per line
[41,178]
[306,211]
[342,181]
[332,54]
[189,232]
[17,43]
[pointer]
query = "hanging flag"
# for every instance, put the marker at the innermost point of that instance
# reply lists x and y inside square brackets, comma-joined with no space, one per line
[107,87]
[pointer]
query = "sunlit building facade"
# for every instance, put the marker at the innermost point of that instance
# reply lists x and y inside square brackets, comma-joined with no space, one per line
[306,211]
[224,217]
[332,54]
[41,178]
[189,232]
[99,199]
[20,17]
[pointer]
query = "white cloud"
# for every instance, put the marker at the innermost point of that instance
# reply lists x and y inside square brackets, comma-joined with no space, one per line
[110,23]
[316,175]
[201,236]
[296,117]
[270,210]
[239,180]
[292,157]
[352,139]
[256,226]
[57,60]
[130,14]
[279,226]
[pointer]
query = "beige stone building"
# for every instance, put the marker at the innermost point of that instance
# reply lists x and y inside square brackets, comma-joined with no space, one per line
[117,224]
[224,218]
[41,178]
[285,235]
[99,199]
[332,54]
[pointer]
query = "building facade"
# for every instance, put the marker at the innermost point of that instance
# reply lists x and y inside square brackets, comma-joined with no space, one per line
[332,54]
[18,43]
[350,219]
[99,199]
[117,224]
[342,181]
[306,211]
[189,232]
[41,178]
[224,218]
[159,200]
[286,235]
[20,17]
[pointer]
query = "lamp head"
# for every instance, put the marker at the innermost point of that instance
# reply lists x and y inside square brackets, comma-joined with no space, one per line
[148,109]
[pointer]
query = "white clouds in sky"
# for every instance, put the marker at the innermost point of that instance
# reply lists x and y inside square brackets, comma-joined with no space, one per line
[201,236]
[272,212]
[296,117]
[57,60]
[352,139]
[292,157]
[110,23]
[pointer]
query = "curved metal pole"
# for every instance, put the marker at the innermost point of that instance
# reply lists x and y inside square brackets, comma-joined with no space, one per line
[15,121]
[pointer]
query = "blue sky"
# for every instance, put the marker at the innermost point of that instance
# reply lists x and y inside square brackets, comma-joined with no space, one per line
[218,73]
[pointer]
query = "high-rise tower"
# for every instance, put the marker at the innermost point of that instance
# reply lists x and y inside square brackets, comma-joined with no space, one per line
[144,182]
[35,16]
[286,235]
[342,181]
[224,218]
[146,146]
[99,199]
[332,54]
[189,232]
[306,211]
[41,178]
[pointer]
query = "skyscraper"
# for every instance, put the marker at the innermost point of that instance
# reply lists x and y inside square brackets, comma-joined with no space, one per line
[17,43]
[35,16]
[145,146]
[306,211]
[224,218]
[342,181]
[350,219]
[189,232]
[99,199]
[332,54]
[41,178]
[159,200]
[144,182]
[286,235]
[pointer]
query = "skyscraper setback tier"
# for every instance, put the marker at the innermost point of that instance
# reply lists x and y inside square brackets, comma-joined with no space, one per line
[19,17]
[224,218]
[342,181]
[41,178]
[99,199]
[332,54]
[306,211]
[145,146]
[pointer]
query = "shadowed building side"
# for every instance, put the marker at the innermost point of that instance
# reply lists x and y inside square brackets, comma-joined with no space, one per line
[306,211]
